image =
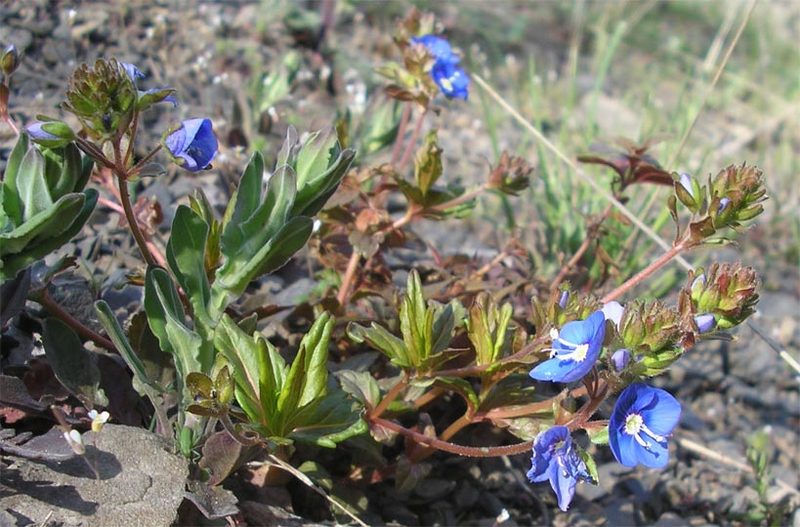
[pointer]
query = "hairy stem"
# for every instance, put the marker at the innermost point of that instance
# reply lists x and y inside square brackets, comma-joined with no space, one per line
[413,141]
[390,396]
[647,271]
[401,132]
[77,326]
[466,451]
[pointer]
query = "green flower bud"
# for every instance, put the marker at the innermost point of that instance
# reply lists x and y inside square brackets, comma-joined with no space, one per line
[9,60]
[648,328]
[103,97]
[736,196]
[727,291]
[51,134]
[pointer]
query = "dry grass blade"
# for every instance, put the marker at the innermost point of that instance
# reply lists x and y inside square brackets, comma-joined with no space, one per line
[574,166]
[307,481]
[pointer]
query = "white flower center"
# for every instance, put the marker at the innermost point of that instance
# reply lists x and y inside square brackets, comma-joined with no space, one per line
[446,84]
[634,426]
[576,355]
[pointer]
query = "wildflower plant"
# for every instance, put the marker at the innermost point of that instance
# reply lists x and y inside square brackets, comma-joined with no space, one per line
[492,346]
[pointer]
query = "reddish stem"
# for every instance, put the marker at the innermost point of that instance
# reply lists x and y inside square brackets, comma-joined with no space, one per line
[401,132]
[412,141]
[646,272]
[77,326]
[390,396]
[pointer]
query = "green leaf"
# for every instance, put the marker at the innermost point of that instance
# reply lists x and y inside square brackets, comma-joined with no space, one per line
[428,164]
[32,185]
[380,128]
[117,336]
[48,223]
[167,320]
[487,330]
[258,370]
[597,434]
[148,98]
[316,155]
[12,264]
[186,257]
[11,201]
[416,321]
[247,196]
[361,385]
[273,255]
[382,340]
[329,421]
[320,165]
[591,465]
[271,215]
[308,374]
[74,366]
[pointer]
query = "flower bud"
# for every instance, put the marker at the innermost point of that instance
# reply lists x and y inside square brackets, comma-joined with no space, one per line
[649,327]
[563,299]
[736,195]
[620,359]
[51,134]
[75,441]
[688,191]
[98,420]
[727,292]
[705,322]
[613,311]
[103,97]
[9,60]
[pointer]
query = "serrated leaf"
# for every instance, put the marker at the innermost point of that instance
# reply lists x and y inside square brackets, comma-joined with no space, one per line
[428,164]
[361,385]
[308,374]
[328,421]
[382,340]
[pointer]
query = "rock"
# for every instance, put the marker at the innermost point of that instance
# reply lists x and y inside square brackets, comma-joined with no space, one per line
[141,483]
[619,512]
[670,519]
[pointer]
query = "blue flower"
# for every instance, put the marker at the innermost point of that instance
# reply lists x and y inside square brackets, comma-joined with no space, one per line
[135,74]
[193,145]
[438,47]
[451,80]
[642,420]
[575,350]
[555,459]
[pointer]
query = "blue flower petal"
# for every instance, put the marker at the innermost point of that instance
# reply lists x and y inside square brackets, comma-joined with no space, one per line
[582,331]
[194,143]
[563,484]
[552,370]
[663,416]
[655,456]
[438,47]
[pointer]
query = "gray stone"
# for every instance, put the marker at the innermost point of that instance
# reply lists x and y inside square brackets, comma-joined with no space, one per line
[670,519]
[619,512]
[141,483]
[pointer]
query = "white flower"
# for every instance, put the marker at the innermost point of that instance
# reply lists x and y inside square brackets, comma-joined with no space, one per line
[98,420]
[75,441]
